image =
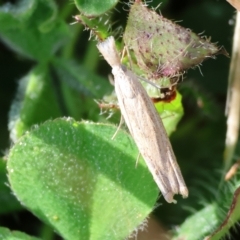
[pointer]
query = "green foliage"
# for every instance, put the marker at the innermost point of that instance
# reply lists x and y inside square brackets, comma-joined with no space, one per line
[34,92]
[219,223]
[6,234]
[32,28]
[68,171]
[94,8]
[171,113]
[8,202]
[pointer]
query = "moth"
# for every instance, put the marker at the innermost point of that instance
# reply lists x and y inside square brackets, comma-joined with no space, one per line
[145,125]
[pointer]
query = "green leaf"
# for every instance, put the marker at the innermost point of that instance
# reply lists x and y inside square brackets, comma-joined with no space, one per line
[8,202]
[232,217]
[206,220]
[94,8]
[32,28]
[6,234]
[171,113]
[79,78]
[78,105]
[75,178]
[35,102]
[97,26]
[216,217]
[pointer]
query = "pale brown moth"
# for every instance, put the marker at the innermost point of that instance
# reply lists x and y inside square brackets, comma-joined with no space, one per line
[145,125]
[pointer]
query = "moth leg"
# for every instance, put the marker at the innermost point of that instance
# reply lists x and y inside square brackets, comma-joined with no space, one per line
[119,126]
[138,157]
[123,53]
[125,49]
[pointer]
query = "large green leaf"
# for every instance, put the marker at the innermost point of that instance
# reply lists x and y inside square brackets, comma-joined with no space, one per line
[75,178]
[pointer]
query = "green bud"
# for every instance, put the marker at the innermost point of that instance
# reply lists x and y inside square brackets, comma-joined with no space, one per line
[161,47]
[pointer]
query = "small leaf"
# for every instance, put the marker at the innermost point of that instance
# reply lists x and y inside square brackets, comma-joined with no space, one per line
[94,8]
[215,213]
[32,28]
[6,234]
[206,220]
[8,202]
[35,102]
[232,217]
[79,78]
[75,178]
[171,113]
[97,26]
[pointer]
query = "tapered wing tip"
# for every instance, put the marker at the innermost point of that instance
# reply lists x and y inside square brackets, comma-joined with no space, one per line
[169,196]
[184,192]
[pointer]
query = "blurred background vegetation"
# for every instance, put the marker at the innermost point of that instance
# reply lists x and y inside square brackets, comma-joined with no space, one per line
[199,139]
